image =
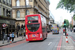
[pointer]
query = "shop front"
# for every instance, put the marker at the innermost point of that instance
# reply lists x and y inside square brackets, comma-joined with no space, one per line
[6,25]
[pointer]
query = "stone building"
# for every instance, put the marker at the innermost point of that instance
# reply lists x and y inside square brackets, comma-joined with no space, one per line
[26,7]
[6,17]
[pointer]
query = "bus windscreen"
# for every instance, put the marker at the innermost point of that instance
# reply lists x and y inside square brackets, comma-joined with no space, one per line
[33,27]
[33,18]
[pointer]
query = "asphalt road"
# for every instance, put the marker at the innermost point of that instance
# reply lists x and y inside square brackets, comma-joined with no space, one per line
[50,43]
[72,35]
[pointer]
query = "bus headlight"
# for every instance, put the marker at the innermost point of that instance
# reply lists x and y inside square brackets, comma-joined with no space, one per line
[40,35]
[26,37]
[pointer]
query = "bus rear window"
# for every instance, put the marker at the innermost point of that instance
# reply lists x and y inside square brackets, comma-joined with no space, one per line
[33,18]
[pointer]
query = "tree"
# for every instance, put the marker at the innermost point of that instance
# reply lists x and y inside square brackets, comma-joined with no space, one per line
[74,17]
[71,26]
[67,4]
[62,25]
[67,22]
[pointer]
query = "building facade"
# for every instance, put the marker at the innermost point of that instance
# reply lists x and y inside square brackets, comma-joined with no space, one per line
[6,17]
[21,8]
[51,20]
[72,20]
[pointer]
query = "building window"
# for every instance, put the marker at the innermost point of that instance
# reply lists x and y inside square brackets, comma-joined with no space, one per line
[7,2]
[30,0]
[10,1]
[27,12]
[18,14]
[4,1]
[17,3]
[27,2]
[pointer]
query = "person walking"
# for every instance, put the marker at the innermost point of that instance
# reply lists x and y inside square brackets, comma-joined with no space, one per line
[13,36]
[17,33]
[3,36]
[8,37]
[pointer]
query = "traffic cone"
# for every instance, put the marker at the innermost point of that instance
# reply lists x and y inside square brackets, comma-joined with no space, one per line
[66,39]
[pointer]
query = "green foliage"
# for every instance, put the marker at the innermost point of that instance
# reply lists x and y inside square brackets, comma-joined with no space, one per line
[67,23]
[74,17]
[67,4]
[71,26]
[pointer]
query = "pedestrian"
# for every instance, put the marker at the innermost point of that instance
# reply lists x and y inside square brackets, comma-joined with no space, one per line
[17,33]
[13,36]
[3,34]
[8,37]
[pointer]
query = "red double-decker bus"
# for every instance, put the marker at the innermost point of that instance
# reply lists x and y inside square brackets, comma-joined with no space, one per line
[36,28]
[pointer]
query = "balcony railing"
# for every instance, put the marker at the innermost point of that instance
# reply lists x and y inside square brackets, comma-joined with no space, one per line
[39,11]
[28,6]
[20,18]
[35,7]
[9,4]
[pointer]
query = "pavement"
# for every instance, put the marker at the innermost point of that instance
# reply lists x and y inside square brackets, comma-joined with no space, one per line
[15,40]
[67,46]
[72,35]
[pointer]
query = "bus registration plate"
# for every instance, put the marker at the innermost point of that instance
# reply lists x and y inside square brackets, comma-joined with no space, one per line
[33,39]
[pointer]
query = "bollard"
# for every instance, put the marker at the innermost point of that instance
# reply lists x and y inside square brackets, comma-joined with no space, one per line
[66,39]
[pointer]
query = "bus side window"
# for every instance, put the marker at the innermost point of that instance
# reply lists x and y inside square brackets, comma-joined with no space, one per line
[43,29]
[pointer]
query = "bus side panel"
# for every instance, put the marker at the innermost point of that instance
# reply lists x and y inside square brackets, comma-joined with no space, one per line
[43,23]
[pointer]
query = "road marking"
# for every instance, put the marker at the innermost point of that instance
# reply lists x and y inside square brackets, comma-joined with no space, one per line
[49,43]
[72,39]
[59,44]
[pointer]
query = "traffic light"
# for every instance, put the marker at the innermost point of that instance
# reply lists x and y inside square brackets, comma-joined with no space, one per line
[64,23]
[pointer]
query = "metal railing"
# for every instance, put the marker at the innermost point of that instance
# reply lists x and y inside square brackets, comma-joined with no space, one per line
[27,6]
[36,7]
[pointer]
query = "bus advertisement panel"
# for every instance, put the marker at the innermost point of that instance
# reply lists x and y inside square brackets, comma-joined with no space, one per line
[55,28]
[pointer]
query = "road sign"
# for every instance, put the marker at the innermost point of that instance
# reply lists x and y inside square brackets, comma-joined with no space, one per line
[4,25]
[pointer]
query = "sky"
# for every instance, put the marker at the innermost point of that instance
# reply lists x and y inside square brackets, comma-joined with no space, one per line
[59,14]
